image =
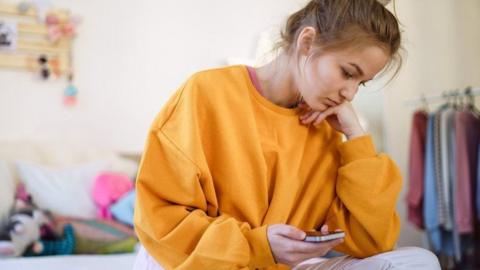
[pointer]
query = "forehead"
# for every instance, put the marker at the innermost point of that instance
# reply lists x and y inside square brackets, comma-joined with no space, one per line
[370,58]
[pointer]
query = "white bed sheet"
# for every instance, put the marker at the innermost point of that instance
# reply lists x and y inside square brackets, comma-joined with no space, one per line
[71,262]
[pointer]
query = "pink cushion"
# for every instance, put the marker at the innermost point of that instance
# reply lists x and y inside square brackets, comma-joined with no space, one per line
[107,189]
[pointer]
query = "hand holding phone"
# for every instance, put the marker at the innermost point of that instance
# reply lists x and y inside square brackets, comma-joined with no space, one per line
[289,247]
[318,236]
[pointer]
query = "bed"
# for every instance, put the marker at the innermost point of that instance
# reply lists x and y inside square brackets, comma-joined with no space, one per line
[64,156]
[71,262]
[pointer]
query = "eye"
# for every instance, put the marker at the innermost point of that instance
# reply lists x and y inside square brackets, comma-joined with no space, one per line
[346,74]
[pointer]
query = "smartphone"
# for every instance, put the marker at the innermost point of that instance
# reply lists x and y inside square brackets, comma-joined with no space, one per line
[317,236]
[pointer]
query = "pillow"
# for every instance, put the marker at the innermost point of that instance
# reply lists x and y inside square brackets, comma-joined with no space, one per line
[122,210]
[63,191]
[63,155]
[7,192]
[107,189]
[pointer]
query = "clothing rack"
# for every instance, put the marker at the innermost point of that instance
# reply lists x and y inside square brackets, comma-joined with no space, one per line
[439,98]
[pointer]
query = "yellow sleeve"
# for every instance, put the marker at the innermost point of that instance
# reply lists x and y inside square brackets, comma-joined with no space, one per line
[176,214]
[367,189]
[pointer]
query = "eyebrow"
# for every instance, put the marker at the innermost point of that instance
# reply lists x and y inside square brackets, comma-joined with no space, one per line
[358,68]
[360,71]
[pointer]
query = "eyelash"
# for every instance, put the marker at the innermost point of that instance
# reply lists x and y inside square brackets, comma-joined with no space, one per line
[349,76]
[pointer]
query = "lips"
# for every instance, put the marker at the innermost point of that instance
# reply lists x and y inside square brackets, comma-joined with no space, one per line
[330,102]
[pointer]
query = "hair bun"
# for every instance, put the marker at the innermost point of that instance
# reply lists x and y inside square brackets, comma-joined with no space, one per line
[384,2]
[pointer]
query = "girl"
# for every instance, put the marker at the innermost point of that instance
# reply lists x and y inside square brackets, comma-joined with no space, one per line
[242,161]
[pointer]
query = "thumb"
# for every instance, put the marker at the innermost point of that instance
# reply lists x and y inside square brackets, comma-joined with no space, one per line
[291,232]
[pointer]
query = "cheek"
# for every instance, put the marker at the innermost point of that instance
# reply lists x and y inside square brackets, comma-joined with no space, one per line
[324,78]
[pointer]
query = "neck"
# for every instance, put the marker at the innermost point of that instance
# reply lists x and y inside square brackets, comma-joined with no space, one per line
[276,80]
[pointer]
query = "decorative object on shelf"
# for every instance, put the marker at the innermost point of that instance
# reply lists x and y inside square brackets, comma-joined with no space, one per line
[8,35]
[70,93]
[58,28]
[44,70]
[41,6]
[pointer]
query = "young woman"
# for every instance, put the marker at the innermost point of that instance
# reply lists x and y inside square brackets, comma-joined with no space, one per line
[242,161]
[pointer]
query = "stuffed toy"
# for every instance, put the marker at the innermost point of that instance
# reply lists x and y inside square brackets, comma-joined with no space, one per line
[30,231]
[61,246]
[21,232]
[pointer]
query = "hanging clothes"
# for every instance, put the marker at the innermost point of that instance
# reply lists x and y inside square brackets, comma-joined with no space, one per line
[467,138]
[444,181]
[417,168]
[440,239]
[446,126]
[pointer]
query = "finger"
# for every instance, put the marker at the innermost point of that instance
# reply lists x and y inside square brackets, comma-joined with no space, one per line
[305,115]
[311,117]
[323,115]
[289,231]
[333,243]
[313,248]
[324,229]
[329,245]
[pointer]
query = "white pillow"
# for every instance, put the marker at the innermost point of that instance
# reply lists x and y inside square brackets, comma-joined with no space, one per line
[7,192]
[65,191]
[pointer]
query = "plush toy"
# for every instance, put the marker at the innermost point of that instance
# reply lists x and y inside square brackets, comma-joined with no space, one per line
[61,246]
[25,227]
[30,231]
[21,232]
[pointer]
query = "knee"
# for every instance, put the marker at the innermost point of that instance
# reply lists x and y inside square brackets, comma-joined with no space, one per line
[421,257]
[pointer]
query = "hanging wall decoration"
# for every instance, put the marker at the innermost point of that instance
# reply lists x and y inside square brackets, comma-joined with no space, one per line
[38,38]
[8,35]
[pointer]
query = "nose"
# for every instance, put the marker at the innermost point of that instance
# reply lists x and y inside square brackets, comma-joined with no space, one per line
[348,93]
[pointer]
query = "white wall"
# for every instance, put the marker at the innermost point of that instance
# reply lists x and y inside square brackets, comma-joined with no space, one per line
[131,55]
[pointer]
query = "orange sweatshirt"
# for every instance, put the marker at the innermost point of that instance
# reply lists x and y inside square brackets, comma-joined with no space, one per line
[221,163]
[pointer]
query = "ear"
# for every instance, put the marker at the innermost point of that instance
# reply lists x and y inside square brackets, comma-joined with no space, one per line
[305,40]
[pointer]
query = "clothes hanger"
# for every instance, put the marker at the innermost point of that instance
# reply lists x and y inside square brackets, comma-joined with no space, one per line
[424,102]
[471,102]
[448,97]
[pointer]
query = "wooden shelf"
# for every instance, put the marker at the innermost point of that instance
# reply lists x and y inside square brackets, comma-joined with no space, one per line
[32,40]
[12,10]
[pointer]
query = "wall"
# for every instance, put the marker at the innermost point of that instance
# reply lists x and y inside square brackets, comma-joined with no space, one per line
[129,57]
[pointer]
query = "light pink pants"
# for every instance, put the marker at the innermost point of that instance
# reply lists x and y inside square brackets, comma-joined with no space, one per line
[409,258]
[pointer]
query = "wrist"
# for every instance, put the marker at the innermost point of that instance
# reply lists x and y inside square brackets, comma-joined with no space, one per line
[358,132]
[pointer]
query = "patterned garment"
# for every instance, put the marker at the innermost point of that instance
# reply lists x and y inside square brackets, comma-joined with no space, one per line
[95,236]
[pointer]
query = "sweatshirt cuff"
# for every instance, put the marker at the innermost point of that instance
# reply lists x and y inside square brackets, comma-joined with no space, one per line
[358,148]
[260,252]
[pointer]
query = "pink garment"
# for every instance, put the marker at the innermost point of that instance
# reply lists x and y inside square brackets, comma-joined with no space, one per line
[107,189]
[466,137]
[22,194]
[253,77]
[416,168]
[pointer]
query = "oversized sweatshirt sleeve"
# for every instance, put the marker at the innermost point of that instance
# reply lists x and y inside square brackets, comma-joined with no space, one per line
[176,212]
[367,188]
